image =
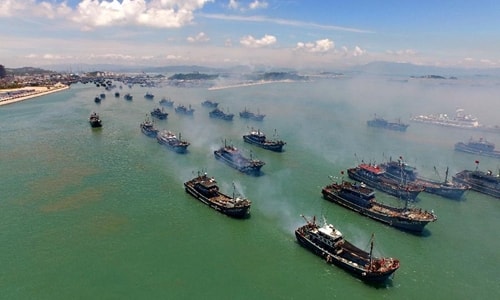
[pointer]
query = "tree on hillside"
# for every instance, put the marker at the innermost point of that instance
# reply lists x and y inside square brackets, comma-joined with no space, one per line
[3,73]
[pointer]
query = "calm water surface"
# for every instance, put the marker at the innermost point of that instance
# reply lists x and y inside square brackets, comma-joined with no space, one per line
[103,214]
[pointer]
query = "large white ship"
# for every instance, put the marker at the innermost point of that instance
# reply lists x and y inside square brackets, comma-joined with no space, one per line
[460,120]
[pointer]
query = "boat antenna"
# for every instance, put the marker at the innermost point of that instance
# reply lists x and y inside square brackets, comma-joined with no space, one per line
[446,175]
[357,160]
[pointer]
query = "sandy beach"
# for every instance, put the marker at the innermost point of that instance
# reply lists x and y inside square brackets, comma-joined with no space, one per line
[9,96]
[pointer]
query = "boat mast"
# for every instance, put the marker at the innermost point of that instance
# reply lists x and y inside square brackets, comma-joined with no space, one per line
[371,249]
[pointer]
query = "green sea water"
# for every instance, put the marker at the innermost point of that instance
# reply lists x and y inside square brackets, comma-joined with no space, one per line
[102,214]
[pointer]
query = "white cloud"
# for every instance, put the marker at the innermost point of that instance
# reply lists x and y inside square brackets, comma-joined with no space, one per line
[233,4]
[258,4]
[99,13]
[320,46]
[200,37]
[405,52]
[250,41]
[358,51]
[156,13]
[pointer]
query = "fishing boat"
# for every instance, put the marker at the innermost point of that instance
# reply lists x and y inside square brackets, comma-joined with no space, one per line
[219,114]
[94,120]
[159,114]
[149,96]
[128,97]
[147,127]
[181,109]
[209,104]
[360,198]
[246,114]
[171,141]
[258,138]
[117,94]
[399,170]
[483,182]
[97,99]
[374,176]
[206,190]
[232,156]
[327,242]
[166,102]
[479,147]
[383,123]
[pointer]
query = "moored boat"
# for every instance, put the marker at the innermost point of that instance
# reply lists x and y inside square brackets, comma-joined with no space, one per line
[328,242]
[373,176]
[159,114]
[383,123]
[171,141]
[479,181]
[149,96]
[166,102]
[233,157]
[246,114]
[94,120]
[209,104]
[479,147]
[181,109]
[219,114]
[147,127]
[128,97]
[408,174]
[206,190]
[361,199]
[97,99]
[258,138]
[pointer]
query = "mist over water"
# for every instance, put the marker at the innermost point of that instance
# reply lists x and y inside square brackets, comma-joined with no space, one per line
[109,205]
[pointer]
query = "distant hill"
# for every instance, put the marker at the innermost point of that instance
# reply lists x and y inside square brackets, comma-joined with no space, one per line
[27,71]
[374,68]
[408,70]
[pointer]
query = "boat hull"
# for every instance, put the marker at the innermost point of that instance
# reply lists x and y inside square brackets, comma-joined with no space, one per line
[95,124]
[174,147]
[449,192]
[399,192]
[462,147]
[148,132]
[331,258]
[489,185]
[235,212]
[391,219]
[273,146]
[247,168]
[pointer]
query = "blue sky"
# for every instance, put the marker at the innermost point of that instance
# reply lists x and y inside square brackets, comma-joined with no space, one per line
[286,33]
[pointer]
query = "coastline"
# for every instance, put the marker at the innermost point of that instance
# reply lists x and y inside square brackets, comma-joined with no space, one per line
[10,96]
[237,85]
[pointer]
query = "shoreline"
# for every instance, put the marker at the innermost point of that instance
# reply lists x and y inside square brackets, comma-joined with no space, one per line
[245,84]
[10,96]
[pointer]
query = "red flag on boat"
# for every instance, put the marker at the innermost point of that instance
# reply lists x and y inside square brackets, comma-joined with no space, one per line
[342,172]
[477,161]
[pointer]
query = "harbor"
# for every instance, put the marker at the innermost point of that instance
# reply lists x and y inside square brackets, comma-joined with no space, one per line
[110,206]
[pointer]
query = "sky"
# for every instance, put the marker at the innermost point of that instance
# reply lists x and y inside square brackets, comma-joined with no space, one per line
[276,33]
